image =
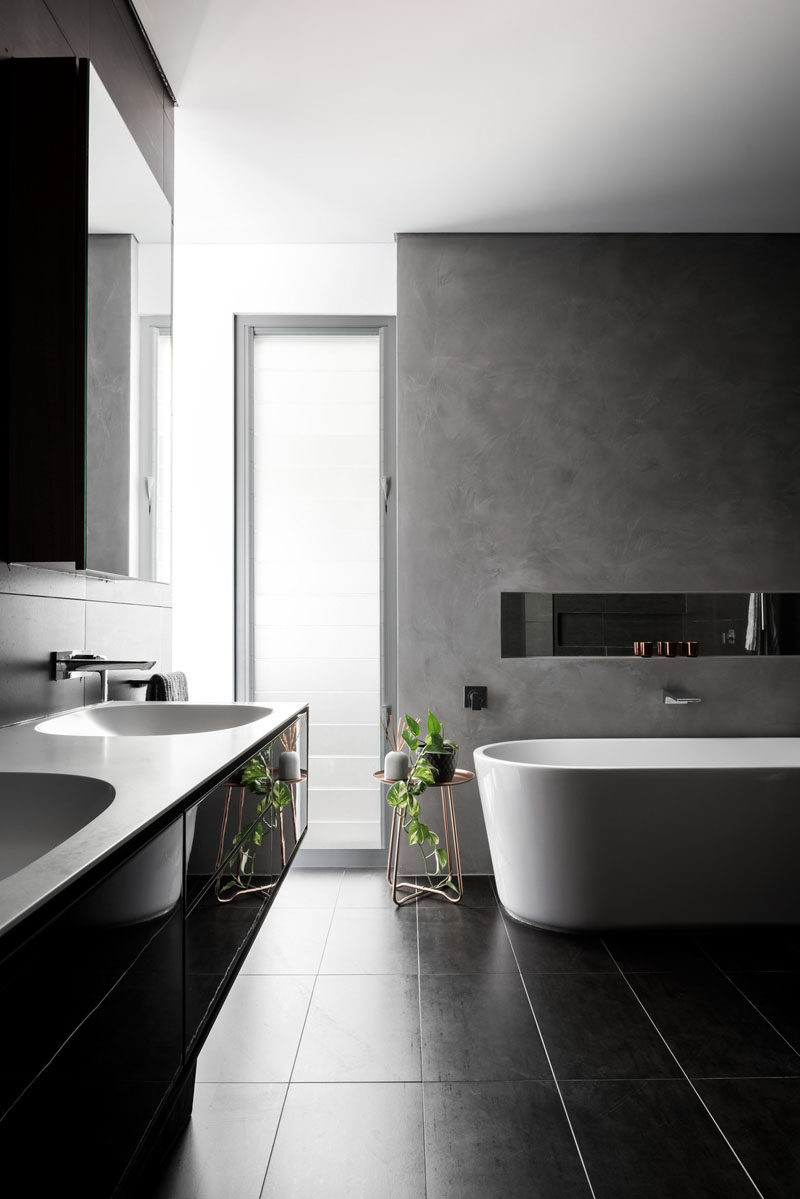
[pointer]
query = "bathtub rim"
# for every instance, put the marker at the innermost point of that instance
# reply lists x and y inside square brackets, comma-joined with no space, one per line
[483,754]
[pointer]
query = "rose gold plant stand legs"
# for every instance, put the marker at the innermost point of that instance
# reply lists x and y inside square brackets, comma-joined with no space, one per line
[416,891]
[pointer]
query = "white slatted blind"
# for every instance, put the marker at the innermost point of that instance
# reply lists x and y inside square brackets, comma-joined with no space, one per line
[317,563]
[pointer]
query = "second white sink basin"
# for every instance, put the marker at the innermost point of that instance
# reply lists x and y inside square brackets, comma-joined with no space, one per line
[39,811]
[149,719]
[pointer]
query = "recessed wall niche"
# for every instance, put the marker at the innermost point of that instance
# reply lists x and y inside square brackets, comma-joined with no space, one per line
[606,625]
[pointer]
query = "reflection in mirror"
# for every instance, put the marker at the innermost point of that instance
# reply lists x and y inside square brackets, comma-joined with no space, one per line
[128,353]
[729,624]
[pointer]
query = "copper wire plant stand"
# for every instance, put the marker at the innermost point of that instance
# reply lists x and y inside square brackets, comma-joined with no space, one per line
[262,888]
[417,891]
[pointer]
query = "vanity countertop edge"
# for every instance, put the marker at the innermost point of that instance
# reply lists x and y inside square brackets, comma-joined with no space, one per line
[153,776]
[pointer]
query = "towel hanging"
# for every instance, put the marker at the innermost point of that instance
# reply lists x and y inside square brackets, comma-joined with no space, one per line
[171,687]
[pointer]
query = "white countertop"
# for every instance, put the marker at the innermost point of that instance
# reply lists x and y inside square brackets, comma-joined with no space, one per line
[150,775]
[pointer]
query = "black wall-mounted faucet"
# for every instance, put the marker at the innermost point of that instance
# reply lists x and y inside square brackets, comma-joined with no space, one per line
[476,698]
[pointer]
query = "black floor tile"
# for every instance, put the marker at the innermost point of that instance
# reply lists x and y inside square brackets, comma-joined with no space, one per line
[656,950]
[225,1147]
[371,941]
[309,889]
[349,1141]
[258,1029]
[594,1028]
[541,952]
[651,1139]
[478,892]
[479,1027]
[455,940]
[509,1139]
[761,1119]
[777,997]
[754,948]
[712,1030]
[290,941]
[367,889]
[361,1028]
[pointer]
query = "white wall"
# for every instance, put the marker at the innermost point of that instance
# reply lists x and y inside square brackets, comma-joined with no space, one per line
[212,284]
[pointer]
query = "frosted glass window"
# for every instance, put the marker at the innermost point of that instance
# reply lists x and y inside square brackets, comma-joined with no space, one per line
[316,601]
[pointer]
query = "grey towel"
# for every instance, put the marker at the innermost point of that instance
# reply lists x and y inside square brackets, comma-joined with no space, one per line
[168,686]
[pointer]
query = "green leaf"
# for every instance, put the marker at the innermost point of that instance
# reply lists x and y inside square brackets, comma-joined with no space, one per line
[258,836]
[281,795]
[434,726]
[411,739]
[423,770]
[434,743]
[441,858]
[415,836]
[413,807]
[412,724]
[433,837]
[397,795]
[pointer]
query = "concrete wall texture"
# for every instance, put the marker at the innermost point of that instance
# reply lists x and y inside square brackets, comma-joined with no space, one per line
[587,413]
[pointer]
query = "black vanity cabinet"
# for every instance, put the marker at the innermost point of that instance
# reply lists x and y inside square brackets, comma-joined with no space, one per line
[238,846]
[93,1022]
[107,1003]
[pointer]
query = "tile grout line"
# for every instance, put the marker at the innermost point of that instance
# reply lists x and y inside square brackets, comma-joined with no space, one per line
[299,1039]
[744,995]
[544,1047]
[674,1056]
[421,1064]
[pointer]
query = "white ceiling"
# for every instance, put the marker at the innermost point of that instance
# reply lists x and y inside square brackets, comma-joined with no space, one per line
[350,121]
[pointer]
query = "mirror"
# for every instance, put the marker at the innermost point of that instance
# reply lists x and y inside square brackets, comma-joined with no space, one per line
[729,624]
[128,353]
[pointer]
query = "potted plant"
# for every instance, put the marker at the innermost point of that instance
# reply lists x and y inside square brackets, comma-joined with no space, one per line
[404,795]
[438,750]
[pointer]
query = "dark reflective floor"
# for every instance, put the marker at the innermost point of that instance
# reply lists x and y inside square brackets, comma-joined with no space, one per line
[442,1052]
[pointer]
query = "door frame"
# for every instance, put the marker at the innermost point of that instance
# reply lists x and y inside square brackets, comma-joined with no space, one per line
[246,328]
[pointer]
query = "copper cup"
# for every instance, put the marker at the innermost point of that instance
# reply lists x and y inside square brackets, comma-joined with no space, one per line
[637,649]
[670,649]
[646,649]
[692,649]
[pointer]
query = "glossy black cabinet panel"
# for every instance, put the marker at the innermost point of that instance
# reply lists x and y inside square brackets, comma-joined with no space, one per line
[240,839]
[95,1002]
[42,240]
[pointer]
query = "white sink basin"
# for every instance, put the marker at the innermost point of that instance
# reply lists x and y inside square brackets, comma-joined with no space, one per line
[39,811]
[149,719]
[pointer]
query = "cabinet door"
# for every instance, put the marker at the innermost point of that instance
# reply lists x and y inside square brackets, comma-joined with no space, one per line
[94,1020]
[42,339]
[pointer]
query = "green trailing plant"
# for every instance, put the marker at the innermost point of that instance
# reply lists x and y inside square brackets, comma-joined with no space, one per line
[258,778]
[405,795]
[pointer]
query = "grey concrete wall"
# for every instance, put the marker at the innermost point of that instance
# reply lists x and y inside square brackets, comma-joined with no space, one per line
[111,280]
[588,413]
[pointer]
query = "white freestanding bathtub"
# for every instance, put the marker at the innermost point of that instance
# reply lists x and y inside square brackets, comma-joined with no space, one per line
[625,833]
